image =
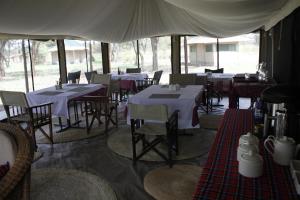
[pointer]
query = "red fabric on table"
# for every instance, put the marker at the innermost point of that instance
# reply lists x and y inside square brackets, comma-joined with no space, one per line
[246,89]
[220,178]
[128,85]
[221,85]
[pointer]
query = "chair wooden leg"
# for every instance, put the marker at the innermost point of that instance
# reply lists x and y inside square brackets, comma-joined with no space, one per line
[134,149]
[106,118]
[176,143]
[86,120]
[169,138]
[32,135]
[51,131]
[116,116]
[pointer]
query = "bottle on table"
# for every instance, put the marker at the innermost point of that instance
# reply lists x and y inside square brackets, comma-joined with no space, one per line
[258,117]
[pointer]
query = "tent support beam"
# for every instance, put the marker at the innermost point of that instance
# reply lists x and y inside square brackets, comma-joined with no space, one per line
[105,58]
[25,66]
[175,54]
[62,60]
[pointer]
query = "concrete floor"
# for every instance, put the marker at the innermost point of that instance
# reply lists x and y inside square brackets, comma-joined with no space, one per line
[92,155]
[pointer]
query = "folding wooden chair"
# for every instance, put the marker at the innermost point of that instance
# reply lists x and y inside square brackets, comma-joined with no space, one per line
[164,132]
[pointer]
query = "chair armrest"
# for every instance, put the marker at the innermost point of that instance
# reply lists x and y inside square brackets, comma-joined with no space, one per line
[92,97]
[41,105]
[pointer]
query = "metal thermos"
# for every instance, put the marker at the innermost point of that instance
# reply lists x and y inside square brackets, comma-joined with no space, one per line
[281,121]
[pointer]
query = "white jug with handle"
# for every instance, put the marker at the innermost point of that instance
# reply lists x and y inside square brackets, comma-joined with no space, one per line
[284,149]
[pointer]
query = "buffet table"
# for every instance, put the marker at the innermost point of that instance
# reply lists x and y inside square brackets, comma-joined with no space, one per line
[249,88]
[220,178]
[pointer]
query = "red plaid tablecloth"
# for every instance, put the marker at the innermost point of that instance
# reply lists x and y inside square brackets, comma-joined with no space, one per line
[220,178]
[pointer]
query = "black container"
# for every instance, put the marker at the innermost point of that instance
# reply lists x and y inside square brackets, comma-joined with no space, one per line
[289,95]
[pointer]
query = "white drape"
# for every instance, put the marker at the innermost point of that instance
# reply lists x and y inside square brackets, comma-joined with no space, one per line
[124,20]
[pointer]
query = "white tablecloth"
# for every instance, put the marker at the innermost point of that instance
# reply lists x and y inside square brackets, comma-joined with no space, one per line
[60,101]
[218,75]
[185,103]
[130,76]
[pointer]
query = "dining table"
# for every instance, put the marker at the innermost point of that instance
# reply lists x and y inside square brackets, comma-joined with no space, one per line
[184,99]
[221,81]
[61,97]
[129,76]
[220,178]
[128,81]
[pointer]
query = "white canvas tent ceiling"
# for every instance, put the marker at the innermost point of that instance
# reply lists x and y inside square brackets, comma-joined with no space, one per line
[124,20]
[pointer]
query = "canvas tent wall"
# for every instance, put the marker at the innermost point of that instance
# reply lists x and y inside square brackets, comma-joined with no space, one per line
[125,20]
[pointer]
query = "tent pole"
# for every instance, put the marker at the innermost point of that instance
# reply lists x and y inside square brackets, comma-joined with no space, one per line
[218,56]
[185,55]
[25,66]
[138,53]
[86,57]
[31,66]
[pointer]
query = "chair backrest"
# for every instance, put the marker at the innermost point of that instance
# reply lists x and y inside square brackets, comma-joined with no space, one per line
[157,112]
[183,79]
[114,89]
[101,79]
[11,98]
[220,70]
[115,86]
[15,103]
[201,80]
[133,70]
[157,76]
[88,75]
[74,77]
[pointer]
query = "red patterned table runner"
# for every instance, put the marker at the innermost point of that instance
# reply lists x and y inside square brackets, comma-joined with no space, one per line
[220,178]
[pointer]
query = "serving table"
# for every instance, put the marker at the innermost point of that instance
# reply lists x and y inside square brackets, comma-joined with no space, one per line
[183,100]
[220,178]
[250,88]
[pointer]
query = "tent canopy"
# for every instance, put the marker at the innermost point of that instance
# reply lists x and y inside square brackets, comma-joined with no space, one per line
[125,20]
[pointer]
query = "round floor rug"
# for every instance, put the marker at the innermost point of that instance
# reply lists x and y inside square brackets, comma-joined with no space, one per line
[63,184]
[176,183]
[190,146]
[73,134]
[69,135]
